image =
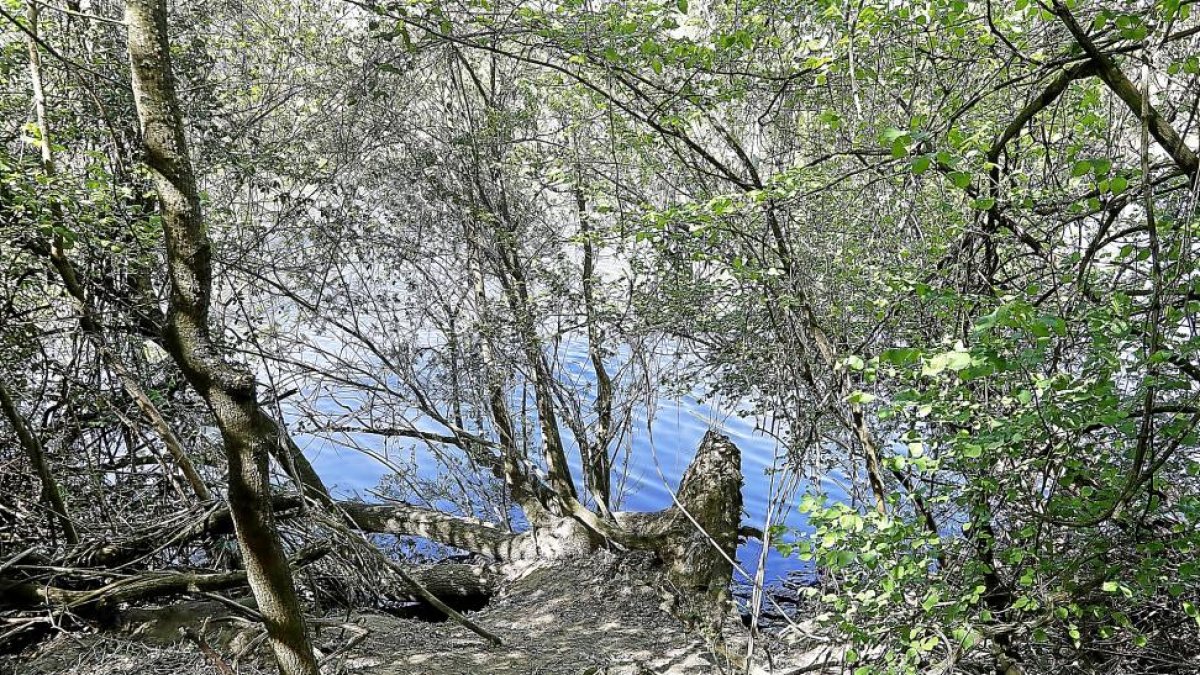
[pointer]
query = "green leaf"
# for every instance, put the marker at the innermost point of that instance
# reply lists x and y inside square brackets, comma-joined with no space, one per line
[900,356]
[931,601]
[831,118]
[961,179]
[955,361]
[861,398]
[921,164]
[682,5]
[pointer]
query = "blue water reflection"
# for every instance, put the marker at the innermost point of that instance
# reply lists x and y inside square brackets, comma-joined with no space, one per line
[657,457]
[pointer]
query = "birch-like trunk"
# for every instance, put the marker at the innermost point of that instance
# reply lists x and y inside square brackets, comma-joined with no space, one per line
[249,434]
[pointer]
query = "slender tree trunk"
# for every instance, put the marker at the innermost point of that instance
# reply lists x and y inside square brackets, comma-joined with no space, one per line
[597,464]
[39,91]
[230,392]
[513,461]
[51,495]
[516,290]
[70,279]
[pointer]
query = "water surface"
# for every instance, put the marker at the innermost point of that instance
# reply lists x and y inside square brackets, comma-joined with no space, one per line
[660,453]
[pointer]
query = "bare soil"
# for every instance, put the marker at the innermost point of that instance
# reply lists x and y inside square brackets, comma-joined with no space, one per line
[596,614]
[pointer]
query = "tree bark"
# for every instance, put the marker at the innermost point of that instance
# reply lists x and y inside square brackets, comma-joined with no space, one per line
[512,279]
[249,434]
[597,463]
[468,534]
[702,538]
[51,495]
[513,461]
[1183,156]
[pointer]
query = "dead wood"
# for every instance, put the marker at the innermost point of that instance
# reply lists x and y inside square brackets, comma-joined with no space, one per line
[694,542]
[202,522]
[155,584]
[468,534]
[207,650]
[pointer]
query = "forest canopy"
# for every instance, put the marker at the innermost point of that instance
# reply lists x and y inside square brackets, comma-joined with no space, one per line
[940,253]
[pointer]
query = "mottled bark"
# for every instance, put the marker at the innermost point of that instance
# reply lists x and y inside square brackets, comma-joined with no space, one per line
[449,582]
[249,434]
[696,538]
[468,534]
[702,536]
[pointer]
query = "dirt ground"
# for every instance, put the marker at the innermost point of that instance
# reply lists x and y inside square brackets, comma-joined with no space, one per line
[597,614]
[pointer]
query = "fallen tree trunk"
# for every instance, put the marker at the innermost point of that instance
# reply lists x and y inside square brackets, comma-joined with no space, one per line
[454,584]
[148,585]
[691,544]
[468,534]
[24,594]
[696,537]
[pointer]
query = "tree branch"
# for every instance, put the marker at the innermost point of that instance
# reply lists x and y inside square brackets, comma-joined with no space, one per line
[1116,80]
